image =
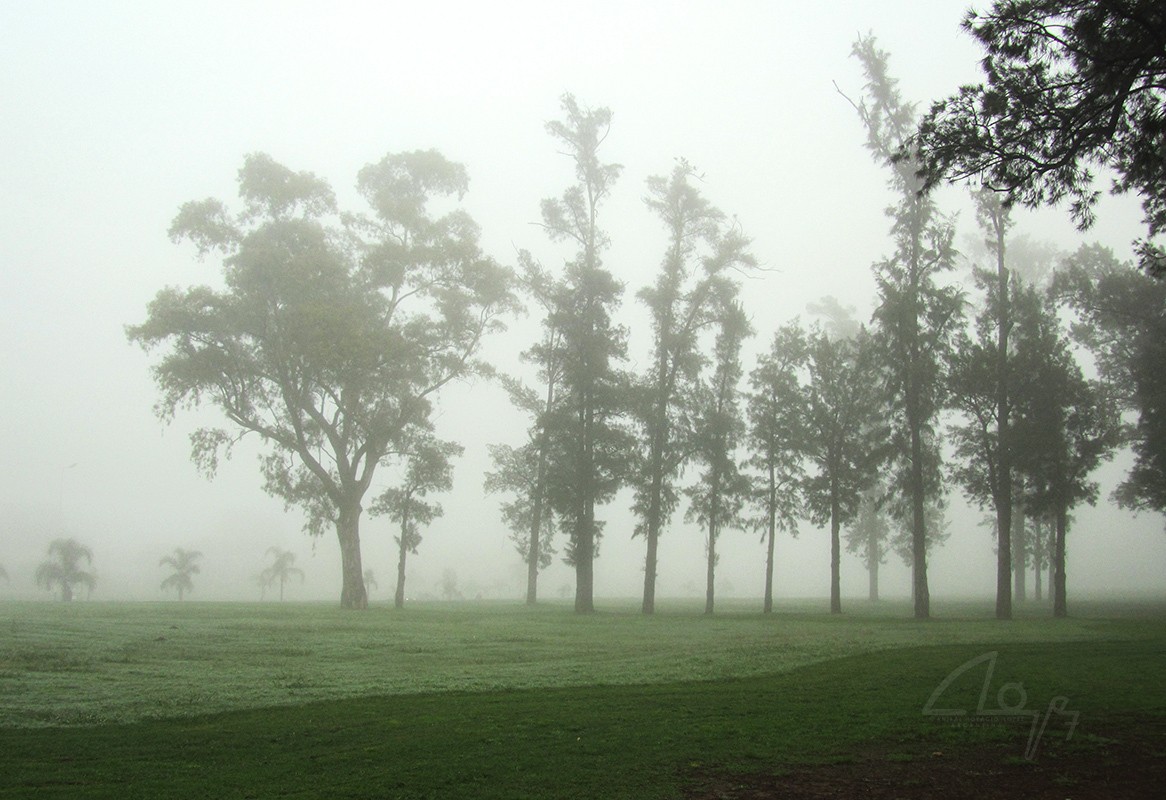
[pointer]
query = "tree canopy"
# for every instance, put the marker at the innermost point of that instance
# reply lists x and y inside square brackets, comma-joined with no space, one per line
[333,332]
[1072,86]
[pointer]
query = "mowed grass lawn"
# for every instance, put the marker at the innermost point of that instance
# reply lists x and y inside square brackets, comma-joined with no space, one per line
[463,700]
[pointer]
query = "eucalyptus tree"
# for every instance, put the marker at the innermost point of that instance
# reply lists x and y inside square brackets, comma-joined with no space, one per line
[845,441]
[916,316]
[281,570]
[333,333]
[775,438]
[691,287]
[1066,426]
[717,498]
[427,468]
[63,569]
[588,445]
[184,565]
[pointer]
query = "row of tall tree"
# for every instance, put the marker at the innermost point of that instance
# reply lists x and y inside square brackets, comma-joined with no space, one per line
[335,332]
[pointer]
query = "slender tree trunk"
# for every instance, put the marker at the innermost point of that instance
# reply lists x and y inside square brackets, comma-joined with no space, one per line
[1051,543]
[402,554]
[1003,456]
[1037,553]
[1020,558]
[920,594]
[1059,606]
[835,555]
[872,558]
[585,528]
[768,604]
[659,437]
[710,568]
[353,594]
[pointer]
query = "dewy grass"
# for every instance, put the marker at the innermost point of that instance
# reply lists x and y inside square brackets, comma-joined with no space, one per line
[89,663]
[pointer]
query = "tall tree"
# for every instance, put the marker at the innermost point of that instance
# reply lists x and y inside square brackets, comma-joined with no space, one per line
[184,565]
[845,441]
[1122,321]
[333,333]
[587,446]
[937,531]
[62,569]
[868,536]
[776,440]
[916,316]
[978,383]
[1072,85]
[427,469]
[523,470]
[1067,425]
[689,290]
[717,498]
[281,570]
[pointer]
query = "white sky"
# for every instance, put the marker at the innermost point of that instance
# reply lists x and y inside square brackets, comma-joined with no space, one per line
[116,113]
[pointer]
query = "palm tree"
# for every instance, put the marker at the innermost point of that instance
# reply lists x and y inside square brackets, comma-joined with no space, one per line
[370,581]
[281,569]
[184,563]
[3,574]
[63,568]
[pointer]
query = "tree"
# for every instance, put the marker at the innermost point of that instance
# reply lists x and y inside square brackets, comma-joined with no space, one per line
[1067,425]
[3,572]
[775,438]
[427,469]
[689,290]
[717,498]
[62,569]
[523,470]
[370,581]
[449,588]
[1072,86]
[937,532]
[334,332]
[184,564]
[281,570]
[844,442]
[587,445]
[869,536]
[916,316]
[1122,321]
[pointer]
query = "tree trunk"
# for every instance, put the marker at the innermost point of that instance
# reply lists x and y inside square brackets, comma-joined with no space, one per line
[533,553]
[1052,555]
[1059,606]
[872,557]
[1003,488]
[584,567]
[835,556]
[767,607]
[710,568]
[920,594]
[353,594]
[655,510]
[1037,553]
[1020,558]
[402,554]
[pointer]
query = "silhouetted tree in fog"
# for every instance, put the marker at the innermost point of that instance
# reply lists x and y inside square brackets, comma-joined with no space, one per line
[869,536]
[334,331]
[281,570]
[62,570]
[184,564]
[690,290]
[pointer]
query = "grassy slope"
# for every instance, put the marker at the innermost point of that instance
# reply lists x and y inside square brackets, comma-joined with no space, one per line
[594,741]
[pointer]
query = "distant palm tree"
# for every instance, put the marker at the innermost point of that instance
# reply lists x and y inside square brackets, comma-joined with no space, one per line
[184,563]
[63,568]
[370,581]
[281,569]
[3,574]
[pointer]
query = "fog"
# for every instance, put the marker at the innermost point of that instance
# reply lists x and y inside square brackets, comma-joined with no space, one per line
[116,113]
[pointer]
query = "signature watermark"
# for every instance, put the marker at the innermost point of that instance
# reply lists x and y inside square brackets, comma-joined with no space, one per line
[1011,705]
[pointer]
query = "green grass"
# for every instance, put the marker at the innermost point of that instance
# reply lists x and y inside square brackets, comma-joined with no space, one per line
[502,701]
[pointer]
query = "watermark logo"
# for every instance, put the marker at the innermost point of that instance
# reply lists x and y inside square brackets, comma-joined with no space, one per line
[1011,704]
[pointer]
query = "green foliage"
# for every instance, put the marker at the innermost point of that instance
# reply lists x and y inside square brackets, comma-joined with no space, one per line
[1071,87]
[516,470]
[281,570]
[334,331]
[1122,321]
[62,570]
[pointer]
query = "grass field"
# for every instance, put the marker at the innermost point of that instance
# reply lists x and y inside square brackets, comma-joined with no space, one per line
[464,700]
